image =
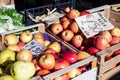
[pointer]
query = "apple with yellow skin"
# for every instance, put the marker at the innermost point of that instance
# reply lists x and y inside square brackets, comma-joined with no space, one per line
[74,72]
[24,54]
[15,48]
[6,77]
[115,32]
[83,55]
[26,36]
[11,39]
[55,46]
[39,38]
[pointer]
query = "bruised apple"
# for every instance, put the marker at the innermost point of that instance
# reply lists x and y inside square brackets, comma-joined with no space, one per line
[60,64]
[74,27]
[26,36]
[77,40]
[56,28]
[101,43]
[67,35]
[47,61]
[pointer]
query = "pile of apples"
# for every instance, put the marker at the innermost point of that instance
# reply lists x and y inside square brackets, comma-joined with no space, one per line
[16,62]
[68,30]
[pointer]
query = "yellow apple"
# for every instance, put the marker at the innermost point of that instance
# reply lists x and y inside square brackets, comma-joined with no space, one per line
[55,46]
[11,39]
[15,48]
[83,55]
[26,36]
[115,32]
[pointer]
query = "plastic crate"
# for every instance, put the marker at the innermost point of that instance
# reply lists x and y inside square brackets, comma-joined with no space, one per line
[61,4]
[37,11]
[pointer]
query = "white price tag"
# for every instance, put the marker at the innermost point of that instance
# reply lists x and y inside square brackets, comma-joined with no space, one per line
[93,23]
[53,16]
[35,47]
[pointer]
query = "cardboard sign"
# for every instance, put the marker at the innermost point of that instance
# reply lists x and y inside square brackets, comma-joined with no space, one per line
[35,47]
[93,23]
[53,16]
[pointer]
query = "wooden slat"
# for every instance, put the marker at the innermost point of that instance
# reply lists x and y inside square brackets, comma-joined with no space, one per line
[111,63]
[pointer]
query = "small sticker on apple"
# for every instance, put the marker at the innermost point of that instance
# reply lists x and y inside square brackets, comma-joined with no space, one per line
[35,47]
[93,23]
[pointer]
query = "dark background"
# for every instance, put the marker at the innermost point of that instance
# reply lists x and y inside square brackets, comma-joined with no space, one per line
[81,4]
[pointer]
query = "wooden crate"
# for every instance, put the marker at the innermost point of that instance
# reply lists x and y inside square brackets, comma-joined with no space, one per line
[106,69]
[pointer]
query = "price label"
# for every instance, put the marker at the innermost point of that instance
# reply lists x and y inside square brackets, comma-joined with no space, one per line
[93,23]
[35,47]
[53,16]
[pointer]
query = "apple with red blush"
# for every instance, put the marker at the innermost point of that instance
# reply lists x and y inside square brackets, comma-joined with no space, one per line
[92,50]
[70,56]
[60,64]
[42,72]
[85,12]
[114,40]
[62,77]
[77,40]
[67,35]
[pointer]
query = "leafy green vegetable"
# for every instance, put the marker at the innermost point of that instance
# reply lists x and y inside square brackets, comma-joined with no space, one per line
[13,14]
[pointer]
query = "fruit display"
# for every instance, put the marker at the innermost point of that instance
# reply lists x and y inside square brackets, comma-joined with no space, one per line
[71,34]
[19,62]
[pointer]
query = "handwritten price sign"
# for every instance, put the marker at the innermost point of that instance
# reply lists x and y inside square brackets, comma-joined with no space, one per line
[93,23]
[35,47]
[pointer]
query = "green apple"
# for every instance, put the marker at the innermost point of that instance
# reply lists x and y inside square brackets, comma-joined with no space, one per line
[7,69]
[7,56]
[6,77]
[22,70]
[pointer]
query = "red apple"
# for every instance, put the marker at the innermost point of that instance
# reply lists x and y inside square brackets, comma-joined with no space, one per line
[77,40]
[92,50]
[74,72]
[70,56]
[26,36]
[74,27]
[62,77]
[116,52]
[82,48]
[56,28]
[47,61]
[114,40]
[42,72]
[115,32]
[73,13]
[82,13]
[60,64]
[107,35]
[88,42]
[21,44]
[65,24]
[108,56]
[101,43]
[51,51]
[67,35]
